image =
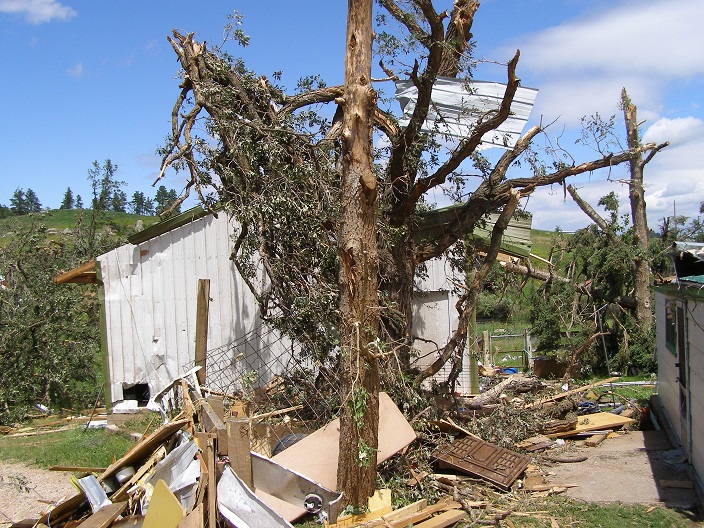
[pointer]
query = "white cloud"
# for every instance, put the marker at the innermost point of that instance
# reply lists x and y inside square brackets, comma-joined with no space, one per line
[37,11]
[581,66]
[677,131]
[76,70]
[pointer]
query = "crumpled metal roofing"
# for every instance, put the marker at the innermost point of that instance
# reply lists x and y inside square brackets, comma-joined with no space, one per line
[459,104]
[689,262]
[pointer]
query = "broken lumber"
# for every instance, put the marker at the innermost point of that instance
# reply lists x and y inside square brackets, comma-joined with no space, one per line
[597,438]
[543,401]
[104,516]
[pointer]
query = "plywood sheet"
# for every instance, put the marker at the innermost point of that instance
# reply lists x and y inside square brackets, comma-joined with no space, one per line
[474,456]
[316,455]
[595,422]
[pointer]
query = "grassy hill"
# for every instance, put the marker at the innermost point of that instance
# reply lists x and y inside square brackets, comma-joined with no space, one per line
[58,220]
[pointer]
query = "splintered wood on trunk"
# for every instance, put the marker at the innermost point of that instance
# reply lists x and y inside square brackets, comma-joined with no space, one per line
[359,268]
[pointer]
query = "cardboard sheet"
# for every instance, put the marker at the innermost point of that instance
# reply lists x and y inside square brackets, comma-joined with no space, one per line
[316,455]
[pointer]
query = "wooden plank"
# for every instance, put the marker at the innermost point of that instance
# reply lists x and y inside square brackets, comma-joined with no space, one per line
[423,514]
[206,442]
[193,519]
[594,422]
[165,510]
[84,274]
[596,439]
[158,455]
[213,424]
[202,309]
[395,515]
[543,401]
[239,449]
[77,469]
[444,519]
[104,516]
[145,447]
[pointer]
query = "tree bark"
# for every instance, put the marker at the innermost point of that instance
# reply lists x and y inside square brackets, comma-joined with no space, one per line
[641,276]
[359,268]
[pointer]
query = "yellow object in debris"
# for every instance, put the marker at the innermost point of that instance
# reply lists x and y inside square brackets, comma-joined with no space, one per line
[165,511]
[379,505]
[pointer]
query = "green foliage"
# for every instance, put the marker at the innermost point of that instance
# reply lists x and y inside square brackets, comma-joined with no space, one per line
[48,333]
[164,201]
[104,185]
[23,203]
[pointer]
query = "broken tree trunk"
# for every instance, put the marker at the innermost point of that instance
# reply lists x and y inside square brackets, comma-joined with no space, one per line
[493,393]
[359,268]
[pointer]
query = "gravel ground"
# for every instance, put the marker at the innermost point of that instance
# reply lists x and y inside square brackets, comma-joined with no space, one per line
[27,492]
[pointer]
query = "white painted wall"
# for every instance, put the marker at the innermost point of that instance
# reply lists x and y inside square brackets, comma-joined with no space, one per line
[150,302]
[435,318]
[668,385]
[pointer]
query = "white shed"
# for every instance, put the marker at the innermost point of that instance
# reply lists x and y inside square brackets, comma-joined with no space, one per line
[150,288]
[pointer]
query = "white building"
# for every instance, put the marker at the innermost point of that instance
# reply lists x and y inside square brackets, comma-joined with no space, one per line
[679,312]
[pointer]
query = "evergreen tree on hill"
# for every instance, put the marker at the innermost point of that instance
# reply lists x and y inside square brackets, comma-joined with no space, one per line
[68,201]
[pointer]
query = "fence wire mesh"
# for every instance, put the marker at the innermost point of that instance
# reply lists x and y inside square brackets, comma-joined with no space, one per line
[266,373]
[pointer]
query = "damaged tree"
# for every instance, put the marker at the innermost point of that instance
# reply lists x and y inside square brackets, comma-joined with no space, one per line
[359,266]
[346,238]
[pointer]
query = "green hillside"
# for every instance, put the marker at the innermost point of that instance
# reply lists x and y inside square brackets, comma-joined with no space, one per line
[58,220]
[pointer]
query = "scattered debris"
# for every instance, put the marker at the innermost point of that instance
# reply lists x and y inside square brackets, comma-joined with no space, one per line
[238,460]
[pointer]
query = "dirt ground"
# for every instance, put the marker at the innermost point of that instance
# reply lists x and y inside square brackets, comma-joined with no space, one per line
[27,492]
[630,468]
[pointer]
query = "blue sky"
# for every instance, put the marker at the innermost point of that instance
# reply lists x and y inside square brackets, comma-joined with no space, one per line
[86,80]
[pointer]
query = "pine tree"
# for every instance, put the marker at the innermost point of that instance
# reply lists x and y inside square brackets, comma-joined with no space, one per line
[33,203]
[119,201]
[68,201]
[79,202]
[161,200]
[137,203]
[18,203]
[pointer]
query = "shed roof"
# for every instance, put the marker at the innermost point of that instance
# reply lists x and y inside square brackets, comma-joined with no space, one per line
[516,241]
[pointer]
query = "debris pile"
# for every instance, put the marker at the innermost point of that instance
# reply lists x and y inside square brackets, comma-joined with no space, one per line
[212,464]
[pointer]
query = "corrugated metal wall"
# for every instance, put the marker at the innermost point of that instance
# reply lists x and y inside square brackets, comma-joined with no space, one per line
[150,302]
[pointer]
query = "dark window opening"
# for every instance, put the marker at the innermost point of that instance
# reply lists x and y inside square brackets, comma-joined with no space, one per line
[671,326]
[138,391]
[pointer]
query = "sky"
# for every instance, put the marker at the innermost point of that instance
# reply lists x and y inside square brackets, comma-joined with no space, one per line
[86,80]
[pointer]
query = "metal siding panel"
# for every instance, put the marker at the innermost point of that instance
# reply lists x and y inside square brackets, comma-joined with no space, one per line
[182,284]
[165,358]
